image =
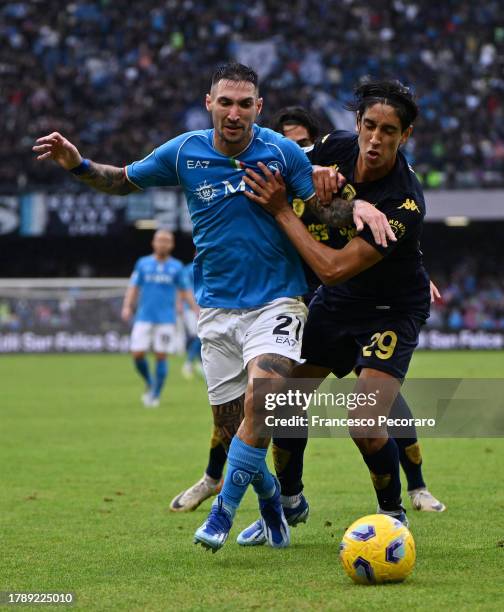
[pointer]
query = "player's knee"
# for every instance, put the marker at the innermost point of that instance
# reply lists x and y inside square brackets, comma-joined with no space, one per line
[369,446]
[138,354]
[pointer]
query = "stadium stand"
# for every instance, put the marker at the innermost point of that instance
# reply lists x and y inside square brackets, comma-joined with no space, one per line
[120,78]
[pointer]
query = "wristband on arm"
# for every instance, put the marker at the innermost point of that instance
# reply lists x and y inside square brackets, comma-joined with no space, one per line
[82,168]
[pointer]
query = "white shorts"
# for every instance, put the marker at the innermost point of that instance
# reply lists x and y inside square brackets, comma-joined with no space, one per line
[230,338]
[161,336]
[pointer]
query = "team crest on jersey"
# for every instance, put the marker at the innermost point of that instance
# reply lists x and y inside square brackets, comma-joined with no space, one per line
[275,165]
[206,193]
[298,206]
[348,193]
[410,205]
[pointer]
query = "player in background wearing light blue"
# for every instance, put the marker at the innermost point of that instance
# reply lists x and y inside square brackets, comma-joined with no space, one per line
[193,343]
[248,276]
[153,289]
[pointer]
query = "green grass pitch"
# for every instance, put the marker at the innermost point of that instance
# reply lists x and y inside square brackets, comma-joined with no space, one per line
[87,474]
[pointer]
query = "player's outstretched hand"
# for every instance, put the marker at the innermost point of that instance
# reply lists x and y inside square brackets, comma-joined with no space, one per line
[57,147]
[327,181]
[366,213]
[435,295]
[269,191]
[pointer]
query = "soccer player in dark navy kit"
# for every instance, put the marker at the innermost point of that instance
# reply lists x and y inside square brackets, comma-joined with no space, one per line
[374,299]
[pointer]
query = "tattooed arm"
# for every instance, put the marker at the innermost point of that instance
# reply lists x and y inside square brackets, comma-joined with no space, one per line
[338,213]
[272,197]
[108,179]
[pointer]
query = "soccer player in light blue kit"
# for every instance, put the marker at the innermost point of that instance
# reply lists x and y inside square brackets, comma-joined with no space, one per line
[248,277]
[153,289]
[193,343]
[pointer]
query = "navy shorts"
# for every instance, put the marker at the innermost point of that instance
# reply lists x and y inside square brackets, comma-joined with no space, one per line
[344,341]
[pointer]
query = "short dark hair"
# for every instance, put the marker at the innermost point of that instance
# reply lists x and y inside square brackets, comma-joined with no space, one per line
[393,93]
[295,115]
[235,72]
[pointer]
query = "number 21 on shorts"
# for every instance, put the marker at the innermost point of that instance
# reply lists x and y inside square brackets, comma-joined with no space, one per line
[382,344]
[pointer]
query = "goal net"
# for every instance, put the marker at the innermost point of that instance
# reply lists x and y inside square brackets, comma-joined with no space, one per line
[72,315]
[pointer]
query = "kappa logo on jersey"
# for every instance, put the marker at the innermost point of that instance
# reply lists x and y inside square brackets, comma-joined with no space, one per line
[409,205]
[206,193]
[298,206]
[198,163]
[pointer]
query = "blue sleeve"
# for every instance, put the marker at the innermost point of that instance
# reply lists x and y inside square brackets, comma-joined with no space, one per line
[136,279]
[158,169]
[299,171]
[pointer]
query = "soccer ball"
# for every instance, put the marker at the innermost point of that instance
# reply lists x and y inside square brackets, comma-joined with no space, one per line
[377,548]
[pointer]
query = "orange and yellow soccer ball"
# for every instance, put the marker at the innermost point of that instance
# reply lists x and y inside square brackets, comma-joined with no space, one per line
[376,549]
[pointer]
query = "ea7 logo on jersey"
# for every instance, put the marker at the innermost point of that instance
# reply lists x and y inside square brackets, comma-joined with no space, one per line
[410,205]
[197,163]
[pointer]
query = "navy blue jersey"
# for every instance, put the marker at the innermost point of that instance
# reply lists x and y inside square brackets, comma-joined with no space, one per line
[243,258]
[399,282]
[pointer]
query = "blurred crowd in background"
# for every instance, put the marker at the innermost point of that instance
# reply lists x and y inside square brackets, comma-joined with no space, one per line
[119,78]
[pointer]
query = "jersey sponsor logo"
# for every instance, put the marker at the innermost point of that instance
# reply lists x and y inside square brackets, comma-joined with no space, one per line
[206,193]
[298,206]
[348,232]
[230,189]
[410,205]
[319,231]
[159,278]
[398,228]
[197,163]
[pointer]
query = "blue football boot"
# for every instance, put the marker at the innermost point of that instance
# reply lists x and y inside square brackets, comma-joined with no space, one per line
[254,535]
[215,530]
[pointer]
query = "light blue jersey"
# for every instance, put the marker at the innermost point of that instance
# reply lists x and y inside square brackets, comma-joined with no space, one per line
[158,283]
[243,258]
